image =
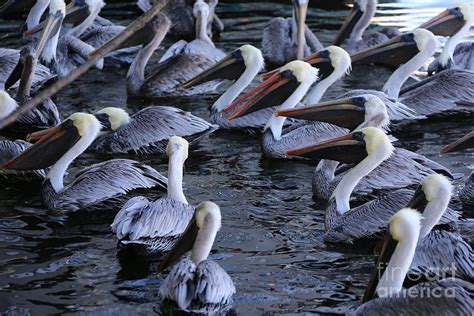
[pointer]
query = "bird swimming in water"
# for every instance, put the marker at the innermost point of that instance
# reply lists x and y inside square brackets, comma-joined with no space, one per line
[156,225]
[198,285]
[98,187]
[147,131]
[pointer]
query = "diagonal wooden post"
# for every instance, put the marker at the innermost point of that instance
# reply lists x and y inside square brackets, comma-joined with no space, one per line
[98,54]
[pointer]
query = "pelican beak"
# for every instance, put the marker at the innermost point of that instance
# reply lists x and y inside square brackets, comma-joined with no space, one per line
[320,60]
[447,23]
[348,25]
[349,148]
[300,11]
[348,113]
[14,76]
[393,52]
[465,142]
[52,27]
[269,93]
[230,67]
[53,143]
[388,247]
[26,61]
[183,245]
[418,201]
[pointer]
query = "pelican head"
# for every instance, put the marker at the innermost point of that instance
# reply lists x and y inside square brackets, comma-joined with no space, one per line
[72,136]
[7,104]
[398,50]
[198,236]
[450,21]
[352,113]
[396,256]
[112,118]
[464,142]
[351,148]
[292,81]
[246,60]
[357,21]
[431,199]
[177,144]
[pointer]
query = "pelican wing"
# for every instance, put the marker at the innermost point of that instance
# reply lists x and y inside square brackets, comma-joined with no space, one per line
[466,195]
[213,285]
[106,180]
[422,300]
[173,50]
[397,111]
[149,130]
[440,92]
[276,41]
[140,218]
[179,285]
[443,253]
[43,116]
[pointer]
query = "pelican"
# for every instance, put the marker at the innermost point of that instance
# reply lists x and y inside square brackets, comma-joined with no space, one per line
[41,117]
[287,39]
[198,285]
[385,294]
[147,131]
[371,150]
[356,23]
[179,64]
[466,195]
[440,252]
[180,12]
[463,58]
[97,187]
[351,114]
[288,87]
[9,149]
[157,225]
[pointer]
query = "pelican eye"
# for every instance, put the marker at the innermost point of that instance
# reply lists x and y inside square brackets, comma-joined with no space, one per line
[359,101]
[359,136]
[456,11]
[237,54]
[288,74]
[409,37]
[324,53]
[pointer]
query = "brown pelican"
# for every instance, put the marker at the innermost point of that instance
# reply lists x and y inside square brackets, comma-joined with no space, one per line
[180,12]
[385,294]
[148,130]
[9,149]
[356,23]
[157,225]
[100,186]
[466,195]
[41,117]
[287,39]
[198,285]
[355,113]
[440,252]
[286,88]
[188,61]
[371,150]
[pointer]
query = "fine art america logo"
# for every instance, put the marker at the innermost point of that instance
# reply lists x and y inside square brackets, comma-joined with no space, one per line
[424,274]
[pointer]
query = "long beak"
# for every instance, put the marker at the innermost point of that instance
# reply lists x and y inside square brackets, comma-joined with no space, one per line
[318,60]
[183,245]
[342,112]
[52,27]
[54,143]
[348,25]
[230,67]
[271,92]
[393,52]
[389,245]
[344,149]
[300,11]
[418,201]
[447,23]
[14,76]
[465,142]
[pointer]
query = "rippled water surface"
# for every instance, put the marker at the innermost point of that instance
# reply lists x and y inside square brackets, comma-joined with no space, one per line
[271,238]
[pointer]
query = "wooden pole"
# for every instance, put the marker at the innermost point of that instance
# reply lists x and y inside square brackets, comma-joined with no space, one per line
[96,56]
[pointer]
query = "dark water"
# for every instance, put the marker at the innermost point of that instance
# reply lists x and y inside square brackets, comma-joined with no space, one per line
[271,238]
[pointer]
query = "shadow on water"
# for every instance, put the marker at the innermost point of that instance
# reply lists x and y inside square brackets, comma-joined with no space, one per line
[271,240]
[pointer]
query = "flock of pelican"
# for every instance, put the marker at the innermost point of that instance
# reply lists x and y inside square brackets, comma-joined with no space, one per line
[374,190]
